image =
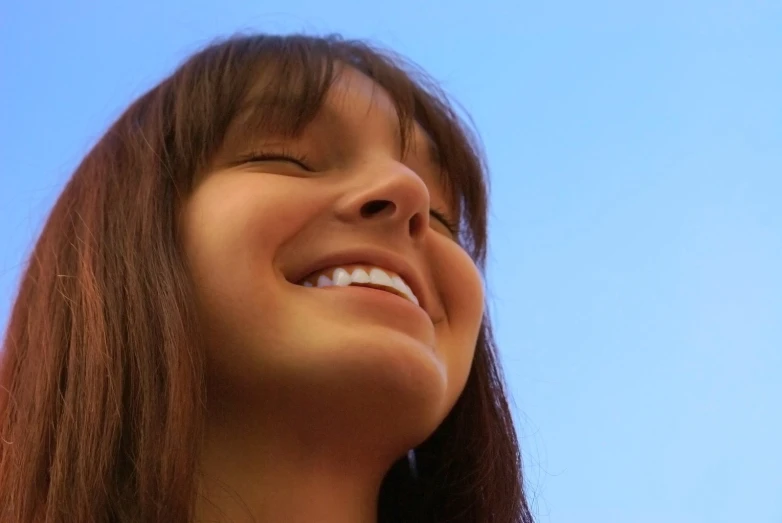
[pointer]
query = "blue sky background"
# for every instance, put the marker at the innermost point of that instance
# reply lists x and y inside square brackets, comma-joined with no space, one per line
[636,227]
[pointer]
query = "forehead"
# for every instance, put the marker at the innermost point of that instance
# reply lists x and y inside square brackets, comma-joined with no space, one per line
[354,99]
[276,108]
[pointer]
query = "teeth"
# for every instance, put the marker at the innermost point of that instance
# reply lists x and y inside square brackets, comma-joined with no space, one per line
[342,277]
[400,285]
[360,276]
[379,277]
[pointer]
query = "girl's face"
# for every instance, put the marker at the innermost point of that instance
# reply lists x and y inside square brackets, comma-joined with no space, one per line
[317,358]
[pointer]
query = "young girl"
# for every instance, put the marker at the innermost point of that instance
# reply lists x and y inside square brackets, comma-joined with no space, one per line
[259,298]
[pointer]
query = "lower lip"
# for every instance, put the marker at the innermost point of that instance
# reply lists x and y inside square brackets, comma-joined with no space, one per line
[380,297]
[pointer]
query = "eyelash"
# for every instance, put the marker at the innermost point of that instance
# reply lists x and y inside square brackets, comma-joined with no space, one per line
[302,161]
[451,225]
[282,155]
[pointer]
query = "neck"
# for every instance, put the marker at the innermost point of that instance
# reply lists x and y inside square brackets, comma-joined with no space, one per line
[249,473]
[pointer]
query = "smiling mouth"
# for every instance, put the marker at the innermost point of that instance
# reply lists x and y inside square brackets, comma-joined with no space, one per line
[361,276]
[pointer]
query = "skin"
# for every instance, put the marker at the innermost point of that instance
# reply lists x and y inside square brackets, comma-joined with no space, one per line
[314,393]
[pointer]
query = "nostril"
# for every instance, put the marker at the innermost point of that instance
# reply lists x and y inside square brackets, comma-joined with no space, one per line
[374,207]
[416,224]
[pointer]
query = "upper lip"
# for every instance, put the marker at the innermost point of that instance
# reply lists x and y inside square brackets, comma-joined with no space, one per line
[376,257]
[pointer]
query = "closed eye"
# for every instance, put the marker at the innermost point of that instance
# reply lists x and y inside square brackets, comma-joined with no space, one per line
[440,216]
[299,160]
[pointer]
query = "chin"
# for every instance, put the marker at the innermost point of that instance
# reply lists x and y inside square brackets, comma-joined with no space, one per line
[383,380]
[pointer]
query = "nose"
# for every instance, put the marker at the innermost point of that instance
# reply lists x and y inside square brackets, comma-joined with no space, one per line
[396,199]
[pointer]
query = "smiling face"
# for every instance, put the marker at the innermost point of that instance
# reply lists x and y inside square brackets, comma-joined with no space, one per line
[272,215]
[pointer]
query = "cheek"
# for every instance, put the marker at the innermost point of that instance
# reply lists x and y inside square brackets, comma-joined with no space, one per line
[461,292]
[231,229]
[235,214]
[461,289]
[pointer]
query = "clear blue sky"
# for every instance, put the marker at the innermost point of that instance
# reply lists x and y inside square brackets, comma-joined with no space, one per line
[636,227]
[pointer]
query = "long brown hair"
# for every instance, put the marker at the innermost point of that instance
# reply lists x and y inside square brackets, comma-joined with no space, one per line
[102,391]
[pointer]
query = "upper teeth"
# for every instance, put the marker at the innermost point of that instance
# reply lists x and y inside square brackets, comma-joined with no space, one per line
[344,276]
